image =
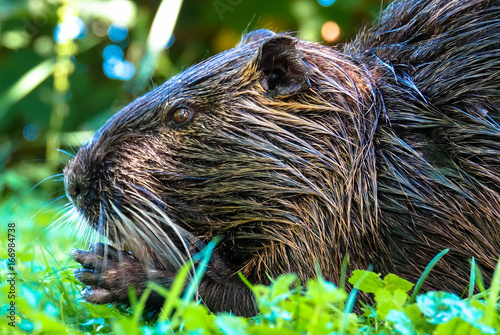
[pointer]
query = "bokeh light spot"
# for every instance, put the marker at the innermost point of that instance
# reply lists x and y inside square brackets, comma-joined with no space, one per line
[15,39]
[100,28]
[44,46]
[330,31]
[69,30]
[112,51]
[326,3]
[31,132]
[117,33]
[116,68]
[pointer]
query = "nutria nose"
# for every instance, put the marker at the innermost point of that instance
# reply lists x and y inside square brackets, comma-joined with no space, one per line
[73,189]
[74,185]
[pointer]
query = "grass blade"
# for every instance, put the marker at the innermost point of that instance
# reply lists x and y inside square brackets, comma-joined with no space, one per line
[472,283]
[161,31]
[26,84]
[424,275]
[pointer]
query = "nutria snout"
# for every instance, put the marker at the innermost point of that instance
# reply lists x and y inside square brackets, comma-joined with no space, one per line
[296,154]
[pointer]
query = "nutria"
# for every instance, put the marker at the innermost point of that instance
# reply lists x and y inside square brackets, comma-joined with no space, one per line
[296,154]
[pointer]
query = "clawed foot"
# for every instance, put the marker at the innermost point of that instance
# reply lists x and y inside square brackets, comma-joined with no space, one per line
[108,274]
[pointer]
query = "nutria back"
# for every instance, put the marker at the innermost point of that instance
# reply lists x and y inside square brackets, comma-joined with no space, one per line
[296,154]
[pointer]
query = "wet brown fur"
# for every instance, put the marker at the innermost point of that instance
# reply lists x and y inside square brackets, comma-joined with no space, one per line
[387,150]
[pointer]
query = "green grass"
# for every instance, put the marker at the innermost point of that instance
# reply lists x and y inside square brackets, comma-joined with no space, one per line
[48,300]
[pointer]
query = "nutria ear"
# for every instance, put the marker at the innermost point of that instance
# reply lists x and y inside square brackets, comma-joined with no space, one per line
[283,71]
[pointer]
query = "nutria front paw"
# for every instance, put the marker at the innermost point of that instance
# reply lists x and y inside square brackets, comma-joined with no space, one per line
[108,274]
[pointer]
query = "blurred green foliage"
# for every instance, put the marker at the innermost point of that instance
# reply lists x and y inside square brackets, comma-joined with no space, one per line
[204,28]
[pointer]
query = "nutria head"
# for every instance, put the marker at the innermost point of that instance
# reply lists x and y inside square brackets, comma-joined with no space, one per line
[260,144]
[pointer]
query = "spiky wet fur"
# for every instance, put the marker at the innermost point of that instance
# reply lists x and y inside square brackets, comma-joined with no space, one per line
[390,155]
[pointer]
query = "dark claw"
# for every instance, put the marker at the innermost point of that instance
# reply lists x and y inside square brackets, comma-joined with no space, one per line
[87,259]
[79,255]
[87,276]
[97,295]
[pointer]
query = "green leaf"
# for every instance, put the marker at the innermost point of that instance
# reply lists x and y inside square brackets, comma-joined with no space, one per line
[419,321]
[402,323]
[455,326]
[125,326]
[230,325]
[387,301]
[393,282]
[101,311]
[198,317]
[439,307]
[322,292]
[370,284]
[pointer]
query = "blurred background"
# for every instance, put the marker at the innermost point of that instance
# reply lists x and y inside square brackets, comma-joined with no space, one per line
[66,66]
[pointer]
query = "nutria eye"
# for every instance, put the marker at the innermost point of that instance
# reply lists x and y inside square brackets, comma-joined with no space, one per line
[180,117]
